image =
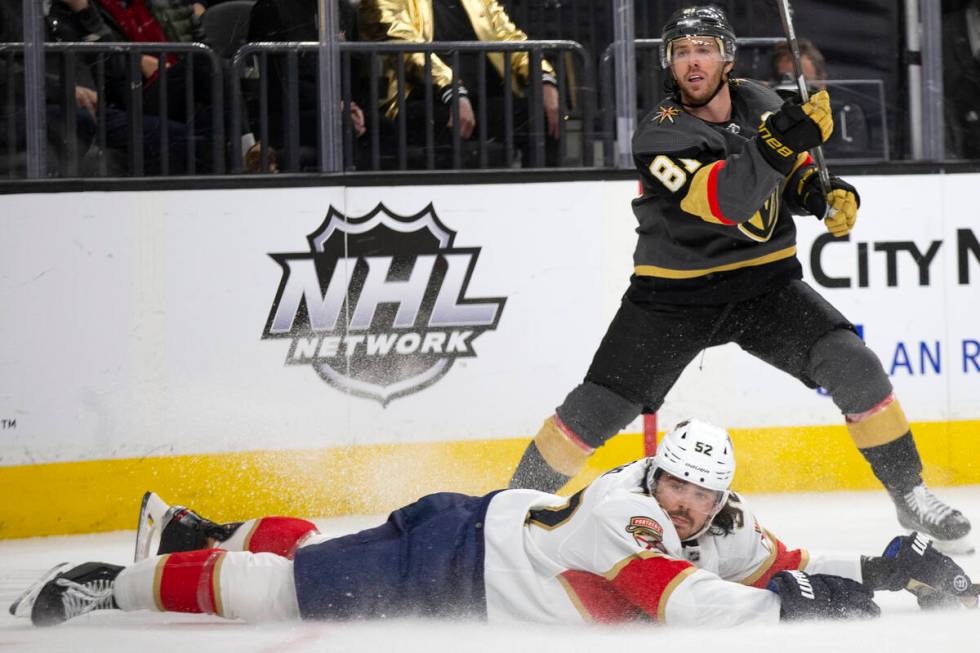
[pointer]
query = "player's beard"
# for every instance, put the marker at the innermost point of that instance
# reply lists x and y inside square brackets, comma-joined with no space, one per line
[707,90]
[686,520]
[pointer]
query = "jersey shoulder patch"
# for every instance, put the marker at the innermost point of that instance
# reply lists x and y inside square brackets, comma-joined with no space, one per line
[639,519]
[670,130]
[647,532]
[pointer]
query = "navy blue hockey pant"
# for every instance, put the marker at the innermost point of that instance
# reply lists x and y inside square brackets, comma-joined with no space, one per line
[426,560]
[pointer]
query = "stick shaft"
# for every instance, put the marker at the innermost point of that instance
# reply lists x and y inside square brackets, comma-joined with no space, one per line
[785,15]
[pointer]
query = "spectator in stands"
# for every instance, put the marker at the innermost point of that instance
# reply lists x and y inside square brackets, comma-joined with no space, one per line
[961,79]
[80,20]
[133,20]
[13,119]
[453,20]
[290,21]
[852,136]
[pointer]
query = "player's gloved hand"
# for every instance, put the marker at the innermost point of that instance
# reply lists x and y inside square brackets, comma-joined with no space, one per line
[821,596]
[795,128]
[838,208]
[911,562]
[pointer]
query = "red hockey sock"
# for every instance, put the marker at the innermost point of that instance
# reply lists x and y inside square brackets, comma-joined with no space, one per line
[279,535]
[188,582]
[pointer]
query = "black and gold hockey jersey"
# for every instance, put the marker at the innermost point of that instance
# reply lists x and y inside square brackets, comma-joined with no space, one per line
[715,224]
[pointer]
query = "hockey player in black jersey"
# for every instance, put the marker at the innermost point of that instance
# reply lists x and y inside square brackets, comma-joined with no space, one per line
[724,167]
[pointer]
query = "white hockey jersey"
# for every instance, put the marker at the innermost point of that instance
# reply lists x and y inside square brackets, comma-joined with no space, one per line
[609,553]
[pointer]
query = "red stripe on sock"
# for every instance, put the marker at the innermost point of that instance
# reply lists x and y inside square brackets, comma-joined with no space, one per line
[572,436]
[186,584]
[279,535]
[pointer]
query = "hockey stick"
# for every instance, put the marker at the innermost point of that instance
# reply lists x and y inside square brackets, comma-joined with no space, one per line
[785,15]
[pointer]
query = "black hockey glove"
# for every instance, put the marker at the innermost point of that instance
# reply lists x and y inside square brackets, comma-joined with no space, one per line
[795,128]
[911,562]
[821,596]
[843,201]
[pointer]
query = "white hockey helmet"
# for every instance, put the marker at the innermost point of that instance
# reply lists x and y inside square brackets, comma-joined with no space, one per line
[697,452]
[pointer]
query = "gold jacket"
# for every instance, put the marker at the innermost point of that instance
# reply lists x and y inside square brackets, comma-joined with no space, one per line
[411,20]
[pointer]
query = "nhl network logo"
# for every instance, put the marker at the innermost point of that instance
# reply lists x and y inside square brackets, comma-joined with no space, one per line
[378,305]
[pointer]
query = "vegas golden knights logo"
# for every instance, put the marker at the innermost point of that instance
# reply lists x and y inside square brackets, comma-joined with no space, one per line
[760,226]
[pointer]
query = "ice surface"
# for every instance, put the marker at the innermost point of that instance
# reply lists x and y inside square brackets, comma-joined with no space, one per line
[860,522]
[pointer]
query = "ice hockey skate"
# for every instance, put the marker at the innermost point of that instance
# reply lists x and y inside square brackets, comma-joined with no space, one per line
[21,607]
[170,529]
[921,510]
[66,592]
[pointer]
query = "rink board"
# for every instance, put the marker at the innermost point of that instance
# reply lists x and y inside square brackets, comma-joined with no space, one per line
[133,354]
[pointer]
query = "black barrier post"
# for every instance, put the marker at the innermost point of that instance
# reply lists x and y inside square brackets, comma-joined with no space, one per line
[135,113]
[347,115]
[608,114]
[400,102]
[373,78]
[535,110]
[217,116]
[69,163]
[588,101]
[508,110]
[291,119]
[265,146]
[101,128]
[481,94]
[457,137]
[189,103]
[562,103]
[430,145]
[235,120]
[164,112]
[9,102]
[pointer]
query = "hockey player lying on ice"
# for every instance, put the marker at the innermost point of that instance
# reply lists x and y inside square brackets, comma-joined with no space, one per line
[660,539]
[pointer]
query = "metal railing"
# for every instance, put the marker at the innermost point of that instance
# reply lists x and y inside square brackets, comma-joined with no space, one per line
[134,101]
[257,55]
[571,63]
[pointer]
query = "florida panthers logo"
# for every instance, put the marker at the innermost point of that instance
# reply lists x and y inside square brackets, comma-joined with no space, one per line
[647,532]
[378,305]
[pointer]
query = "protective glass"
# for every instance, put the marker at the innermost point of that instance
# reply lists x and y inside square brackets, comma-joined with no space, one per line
[690,49]
[672,492]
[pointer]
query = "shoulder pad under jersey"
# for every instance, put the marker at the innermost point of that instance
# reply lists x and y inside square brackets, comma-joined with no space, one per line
[668,129]
[758,97]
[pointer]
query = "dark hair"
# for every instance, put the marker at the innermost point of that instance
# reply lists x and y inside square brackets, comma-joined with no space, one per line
[807,49]
[728,518]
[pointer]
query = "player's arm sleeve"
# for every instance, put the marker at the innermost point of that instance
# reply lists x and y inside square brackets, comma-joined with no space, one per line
[388,20]
[678,593]
[752,555]
[725,191]
[637,555]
